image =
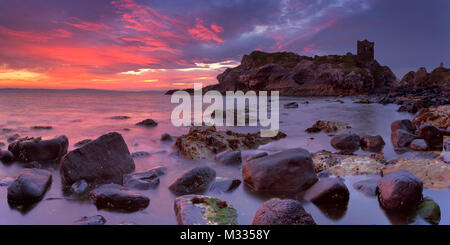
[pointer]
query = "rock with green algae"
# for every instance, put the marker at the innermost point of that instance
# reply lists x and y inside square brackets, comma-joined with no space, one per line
[429,211]
[204,210]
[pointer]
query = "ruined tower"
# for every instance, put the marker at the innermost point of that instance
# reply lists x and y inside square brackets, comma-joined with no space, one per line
[366,50]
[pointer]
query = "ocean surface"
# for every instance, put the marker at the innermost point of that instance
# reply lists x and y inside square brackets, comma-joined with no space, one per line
[85,115]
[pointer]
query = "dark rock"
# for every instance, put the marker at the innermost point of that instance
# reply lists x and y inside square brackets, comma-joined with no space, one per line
[401,138]
[119,117]
[29,187]
[286,171]
[79,187]
[399,190]
[147,123]
[224,185]
[166,137]
[140,154]
[6,156]
[12,138]
[291,105]
[255,156]
[429,211]
[42,127]
[117,197]
[103,160]
[6,181]
[328,191]
[144,180]
[34,164]
[346,142]
[418,145]
[402,124]
[282,212]
[193,181]
[229,157]
[368,187]
[83,142]
[372,143]
[432,135]
[93,220]
[2,144]
[204,210]
[35,149]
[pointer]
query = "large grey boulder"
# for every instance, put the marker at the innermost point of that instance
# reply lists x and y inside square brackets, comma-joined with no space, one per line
[399,190]
[103,160]
[35,149]
[193,181]
[29,187]
[282,212]
[286,171]
[328,191]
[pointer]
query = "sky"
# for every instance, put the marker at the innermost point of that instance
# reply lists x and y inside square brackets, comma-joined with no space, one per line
[163,44]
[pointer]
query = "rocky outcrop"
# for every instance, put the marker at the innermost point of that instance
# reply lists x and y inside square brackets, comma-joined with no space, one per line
[286,171]
[204,210]
[295,75]
[342,165]
[193,181]
[117,197]
[29,187]
[282,212]
[205,142]
[421,78]
[103,160]
[399,190]
[43,151]
[436,116]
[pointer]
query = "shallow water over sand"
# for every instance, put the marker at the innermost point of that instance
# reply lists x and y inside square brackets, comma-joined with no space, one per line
[84,115]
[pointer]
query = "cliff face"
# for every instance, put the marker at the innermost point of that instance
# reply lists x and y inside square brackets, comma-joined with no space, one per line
[439,77]
[296,75]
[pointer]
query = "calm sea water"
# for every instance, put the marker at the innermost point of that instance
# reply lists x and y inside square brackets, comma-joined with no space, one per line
[84,115]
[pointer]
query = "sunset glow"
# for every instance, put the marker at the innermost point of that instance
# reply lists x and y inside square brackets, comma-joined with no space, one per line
[137,44]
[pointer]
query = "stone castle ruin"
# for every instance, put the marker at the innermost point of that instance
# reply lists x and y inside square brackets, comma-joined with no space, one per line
[366,50]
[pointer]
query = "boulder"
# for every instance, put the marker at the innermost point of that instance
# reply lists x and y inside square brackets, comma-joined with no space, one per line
[36,149]
[79,187]
[286,171]
[229,157]
[119,117]
[434,173]
[205,142]
[6,156]
[402,124]
[433,136]
[93,220]
[193,181]
[328,191]
[144,180]
[41,127]
[117,197]
[368,187]
[166,137]
[418,145]
[83,142]
[401,138]
[29,187]
[224,185]
[399,190]
[255,156]
[149,123]
[103,160]
[282,212]
[327,127]
[372,143]
[204,210]
[346,142]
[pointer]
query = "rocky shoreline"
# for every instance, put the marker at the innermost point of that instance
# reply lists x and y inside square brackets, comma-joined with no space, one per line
[103,171]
